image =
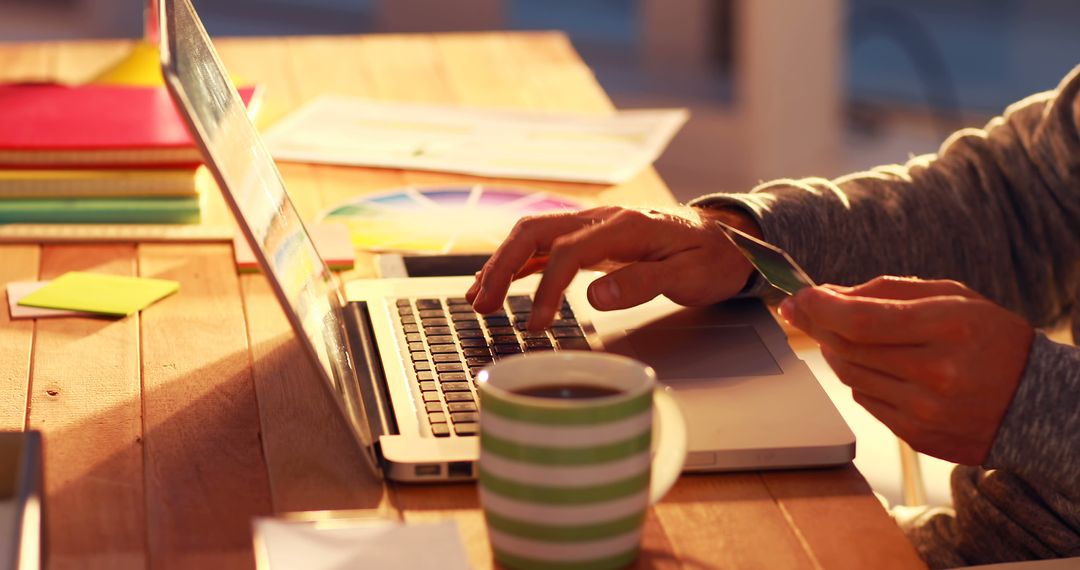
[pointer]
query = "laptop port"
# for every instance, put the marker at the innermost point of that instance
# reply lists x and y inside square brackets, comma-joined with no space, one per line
[428,470]
[459,469]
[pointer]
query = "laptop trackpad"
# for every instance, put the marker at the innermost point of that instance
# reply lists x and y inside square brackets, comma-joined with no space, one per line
[701,352]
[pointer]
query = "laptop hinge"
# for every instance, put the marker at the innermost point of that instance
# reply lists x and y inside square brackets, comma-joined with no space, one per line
[371,380]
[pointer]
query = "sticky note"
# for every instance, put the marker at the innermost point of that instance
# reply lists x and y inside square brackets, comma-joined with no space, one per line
[331,241]
[16,290]
[102,294]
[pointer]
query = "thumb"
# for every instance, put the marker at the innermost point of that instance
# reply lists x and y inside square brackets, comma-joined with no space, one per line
[630,285]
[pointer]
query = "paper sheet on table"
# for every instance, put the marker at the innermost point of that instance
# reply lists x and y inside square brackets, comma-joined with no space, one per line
[16,290]
[602,149]
[342,545]
[115,295]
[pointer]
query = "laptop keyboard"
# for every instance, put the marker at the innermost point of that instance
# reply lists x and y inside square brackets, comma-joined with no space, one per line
[449,343]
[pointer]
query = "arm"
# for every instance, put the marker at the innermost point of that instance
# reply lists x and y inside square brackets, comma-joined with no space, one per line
[996,208]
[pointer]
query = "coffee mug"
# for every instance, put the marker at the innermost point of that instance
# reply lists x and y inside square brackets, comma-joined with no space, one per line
[567,470]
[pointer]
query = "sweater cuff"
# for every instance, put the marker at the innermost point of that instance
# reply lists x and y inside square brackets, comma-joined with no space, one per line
[1038,437]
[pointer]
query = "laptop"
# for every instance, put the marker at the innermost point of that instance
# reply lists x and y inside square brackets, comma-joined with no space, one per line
[399,356]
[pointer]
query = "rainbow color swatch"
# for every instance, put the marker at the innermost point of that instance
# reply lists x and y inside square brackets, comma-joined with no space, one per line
[449,219]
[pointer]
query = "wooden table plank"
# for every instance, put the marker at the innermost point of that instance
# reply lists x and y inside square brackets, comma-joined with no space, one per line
[16,338]
[85,400]
[834,511]
[205,473]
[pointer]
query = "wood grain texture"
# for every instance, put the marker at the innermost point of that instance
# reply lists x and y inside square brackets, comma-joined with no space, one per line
[834,512]
[85,400]
[205,473]
[20,263]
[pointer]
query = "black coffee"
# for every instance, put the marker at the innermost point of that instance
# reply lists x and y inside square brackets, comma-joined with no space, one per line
[568,391]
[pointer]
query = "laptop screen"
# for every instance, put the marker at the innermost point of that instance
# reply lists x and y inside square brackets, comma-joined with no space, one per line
[254,190]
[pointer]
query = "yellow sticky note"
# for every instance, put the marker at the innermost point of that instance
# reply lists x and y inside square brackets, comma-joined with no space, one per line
[96,293]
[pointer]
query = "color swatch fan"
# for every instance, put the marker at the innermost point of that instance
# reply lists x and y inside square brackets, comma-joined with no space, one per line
[452,219]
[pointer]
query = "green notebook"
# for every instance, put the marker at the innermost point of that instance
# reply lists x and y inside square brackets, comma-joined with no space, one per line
[182,210]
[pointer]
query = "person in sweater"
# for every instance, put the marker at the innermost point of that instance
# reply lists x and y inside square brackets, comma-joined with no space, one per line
[940,270]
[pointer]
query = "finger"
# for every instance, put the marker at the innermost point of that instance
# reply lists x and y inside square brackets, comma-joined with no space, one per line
[872,382]
[631,285]
[531,235]
[892,417]
[868,320]
[624,237]
[535,264]
[909,288]
[470,295]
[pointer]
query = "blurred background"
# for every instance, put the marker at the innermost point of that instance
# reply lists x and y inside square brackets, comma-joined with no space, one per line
[777,88]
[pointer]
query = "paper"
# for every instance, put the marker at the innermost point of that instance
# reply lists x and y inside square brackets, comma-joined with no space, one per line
[344,545]
[16,290]
[603,149]
[103,294]
[332,242]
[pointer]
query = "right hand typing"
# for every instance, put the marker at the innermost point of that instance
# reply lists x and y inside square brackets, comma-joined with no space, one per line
[680,253]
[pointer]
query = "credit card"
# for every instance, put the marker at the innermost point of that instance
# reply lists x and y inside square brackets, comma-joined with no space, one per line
[773,263]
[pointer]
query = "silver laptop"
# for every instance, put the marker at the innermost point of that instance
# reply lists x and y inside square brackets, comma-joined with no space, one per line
[399,355]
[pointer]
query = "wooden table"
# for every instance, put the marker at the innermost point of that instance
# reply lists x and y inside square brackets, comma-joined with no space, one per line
[166,432]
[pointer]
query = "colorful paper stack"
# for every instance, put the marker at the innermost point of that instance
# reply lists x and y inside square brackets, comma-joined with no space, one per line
[97,154]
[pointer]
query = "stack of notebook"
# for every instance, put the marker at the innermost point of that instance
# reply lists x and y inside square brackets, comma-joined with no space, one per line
[96,154]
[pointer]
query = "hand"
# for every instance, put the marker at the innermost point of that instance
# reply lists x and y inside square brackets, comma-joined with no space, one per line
[680,254]
[933,360]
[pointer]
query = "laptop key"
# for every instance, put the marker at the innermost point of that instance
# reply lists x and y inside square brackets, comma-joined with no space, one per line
[411,328]
[408,320]
[566,332]
[416,347]
[425,375]
[533,335]
[428,304]
[501,331]
[467,309]
[449,367]
[403,303]
[405,311]
[504,339]
[457,301]
[457,397]
[461,407]
[453,377]
[430,396]
[436,330]
[470,333]
[418,356]
[463,316]
[437,418]
[496,321]
[429,386]
[421,366]
[470,428]
[507,349]
[455,387]
[476,352]
[429,313]
[467,325]
[434,322]
[574,343]
[457,417]
[443,349]
[414,337]
[438,358]
[541,342]
[440,430]
[478,360]
[441,339]
[478,342]
[433,407]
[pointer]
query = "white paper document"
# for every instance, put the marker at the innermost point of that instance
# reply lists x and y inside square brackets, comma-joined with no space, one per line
[370,544]
[601,149]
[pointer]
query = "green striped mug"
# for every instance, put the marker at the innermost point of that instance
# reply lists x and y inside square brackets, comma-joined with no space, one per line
[565,481]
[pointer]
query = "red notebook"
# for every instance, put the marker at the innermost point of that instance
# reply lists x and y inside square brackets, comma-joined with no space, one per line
[50,126]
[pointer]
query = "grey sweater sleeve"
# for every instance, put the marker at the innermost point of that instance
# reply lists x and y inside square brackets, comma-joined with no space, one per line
[996,208]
